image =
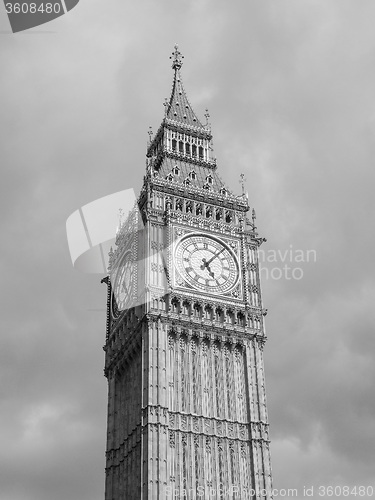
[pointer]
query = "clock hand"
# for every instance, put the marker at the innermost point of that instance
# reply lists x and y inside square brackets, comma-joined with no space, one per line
[210,272]
[214,256]
[207,265]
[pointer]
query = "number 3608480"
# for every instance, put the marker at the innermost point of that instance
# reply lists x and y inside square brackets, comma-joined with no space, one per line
[33,8]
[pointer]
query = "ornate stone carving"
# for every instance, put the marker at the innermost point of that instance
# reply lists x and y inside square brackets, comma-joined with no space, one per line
[237,354]
[182,343]
[183,422]
[208,444]
[204,348]
[226,351]
[172,439]
[220,445]
[171,342]
[219,428]
[196,424]
[193,346]
[180,281]
[216,349]
[207,425]
[234,245]
[196,441]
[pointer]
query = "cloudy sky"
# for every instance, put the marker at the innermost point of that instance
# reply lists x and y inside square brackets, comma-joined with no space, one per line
[290,89]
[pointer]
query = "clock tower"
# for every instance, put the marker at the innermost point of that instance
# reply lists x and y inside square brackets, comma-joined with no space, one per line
[187,414]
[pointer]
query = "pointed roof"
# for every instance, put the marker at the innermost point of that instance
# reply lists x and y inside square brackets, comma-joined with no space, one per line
[188,167]
[178,109]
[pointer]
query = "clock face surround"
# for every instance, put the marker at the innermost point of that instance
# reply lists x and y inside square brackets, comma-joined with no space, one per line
[206,263]
[123,284]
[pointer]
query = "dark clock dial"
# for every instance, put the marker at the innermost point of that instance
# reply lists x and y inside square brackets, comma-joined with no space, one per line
[206,263]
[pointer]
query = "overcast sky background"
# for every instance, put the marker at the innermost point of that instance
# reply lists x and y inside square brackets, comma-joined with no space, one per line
[290,88]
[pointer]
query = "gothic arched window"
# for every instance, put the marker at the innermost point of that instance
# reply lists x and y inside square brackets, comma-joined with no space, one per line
[230,317]
[241,319]
[208,312]
[219,315]
[186,307]
[175,305]
[197,311]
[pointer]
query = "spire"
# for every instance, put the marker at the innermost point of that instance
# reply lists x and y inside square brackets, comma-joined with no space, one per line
[178,108]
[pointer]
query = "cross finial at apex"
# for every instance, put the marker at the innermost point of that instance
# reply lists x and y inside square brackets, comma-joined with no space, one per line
[177,58]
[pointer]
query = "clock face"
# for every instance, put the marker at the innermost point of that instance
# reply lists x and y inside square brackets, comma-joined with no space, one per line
[123,284]
[206,263]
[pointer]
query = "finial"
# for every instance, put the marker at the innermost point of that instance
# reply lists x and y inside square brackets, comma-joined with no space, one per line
[150,134]
[242,181]
[177,58]
[207,115]
[165,104]
[120,215]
